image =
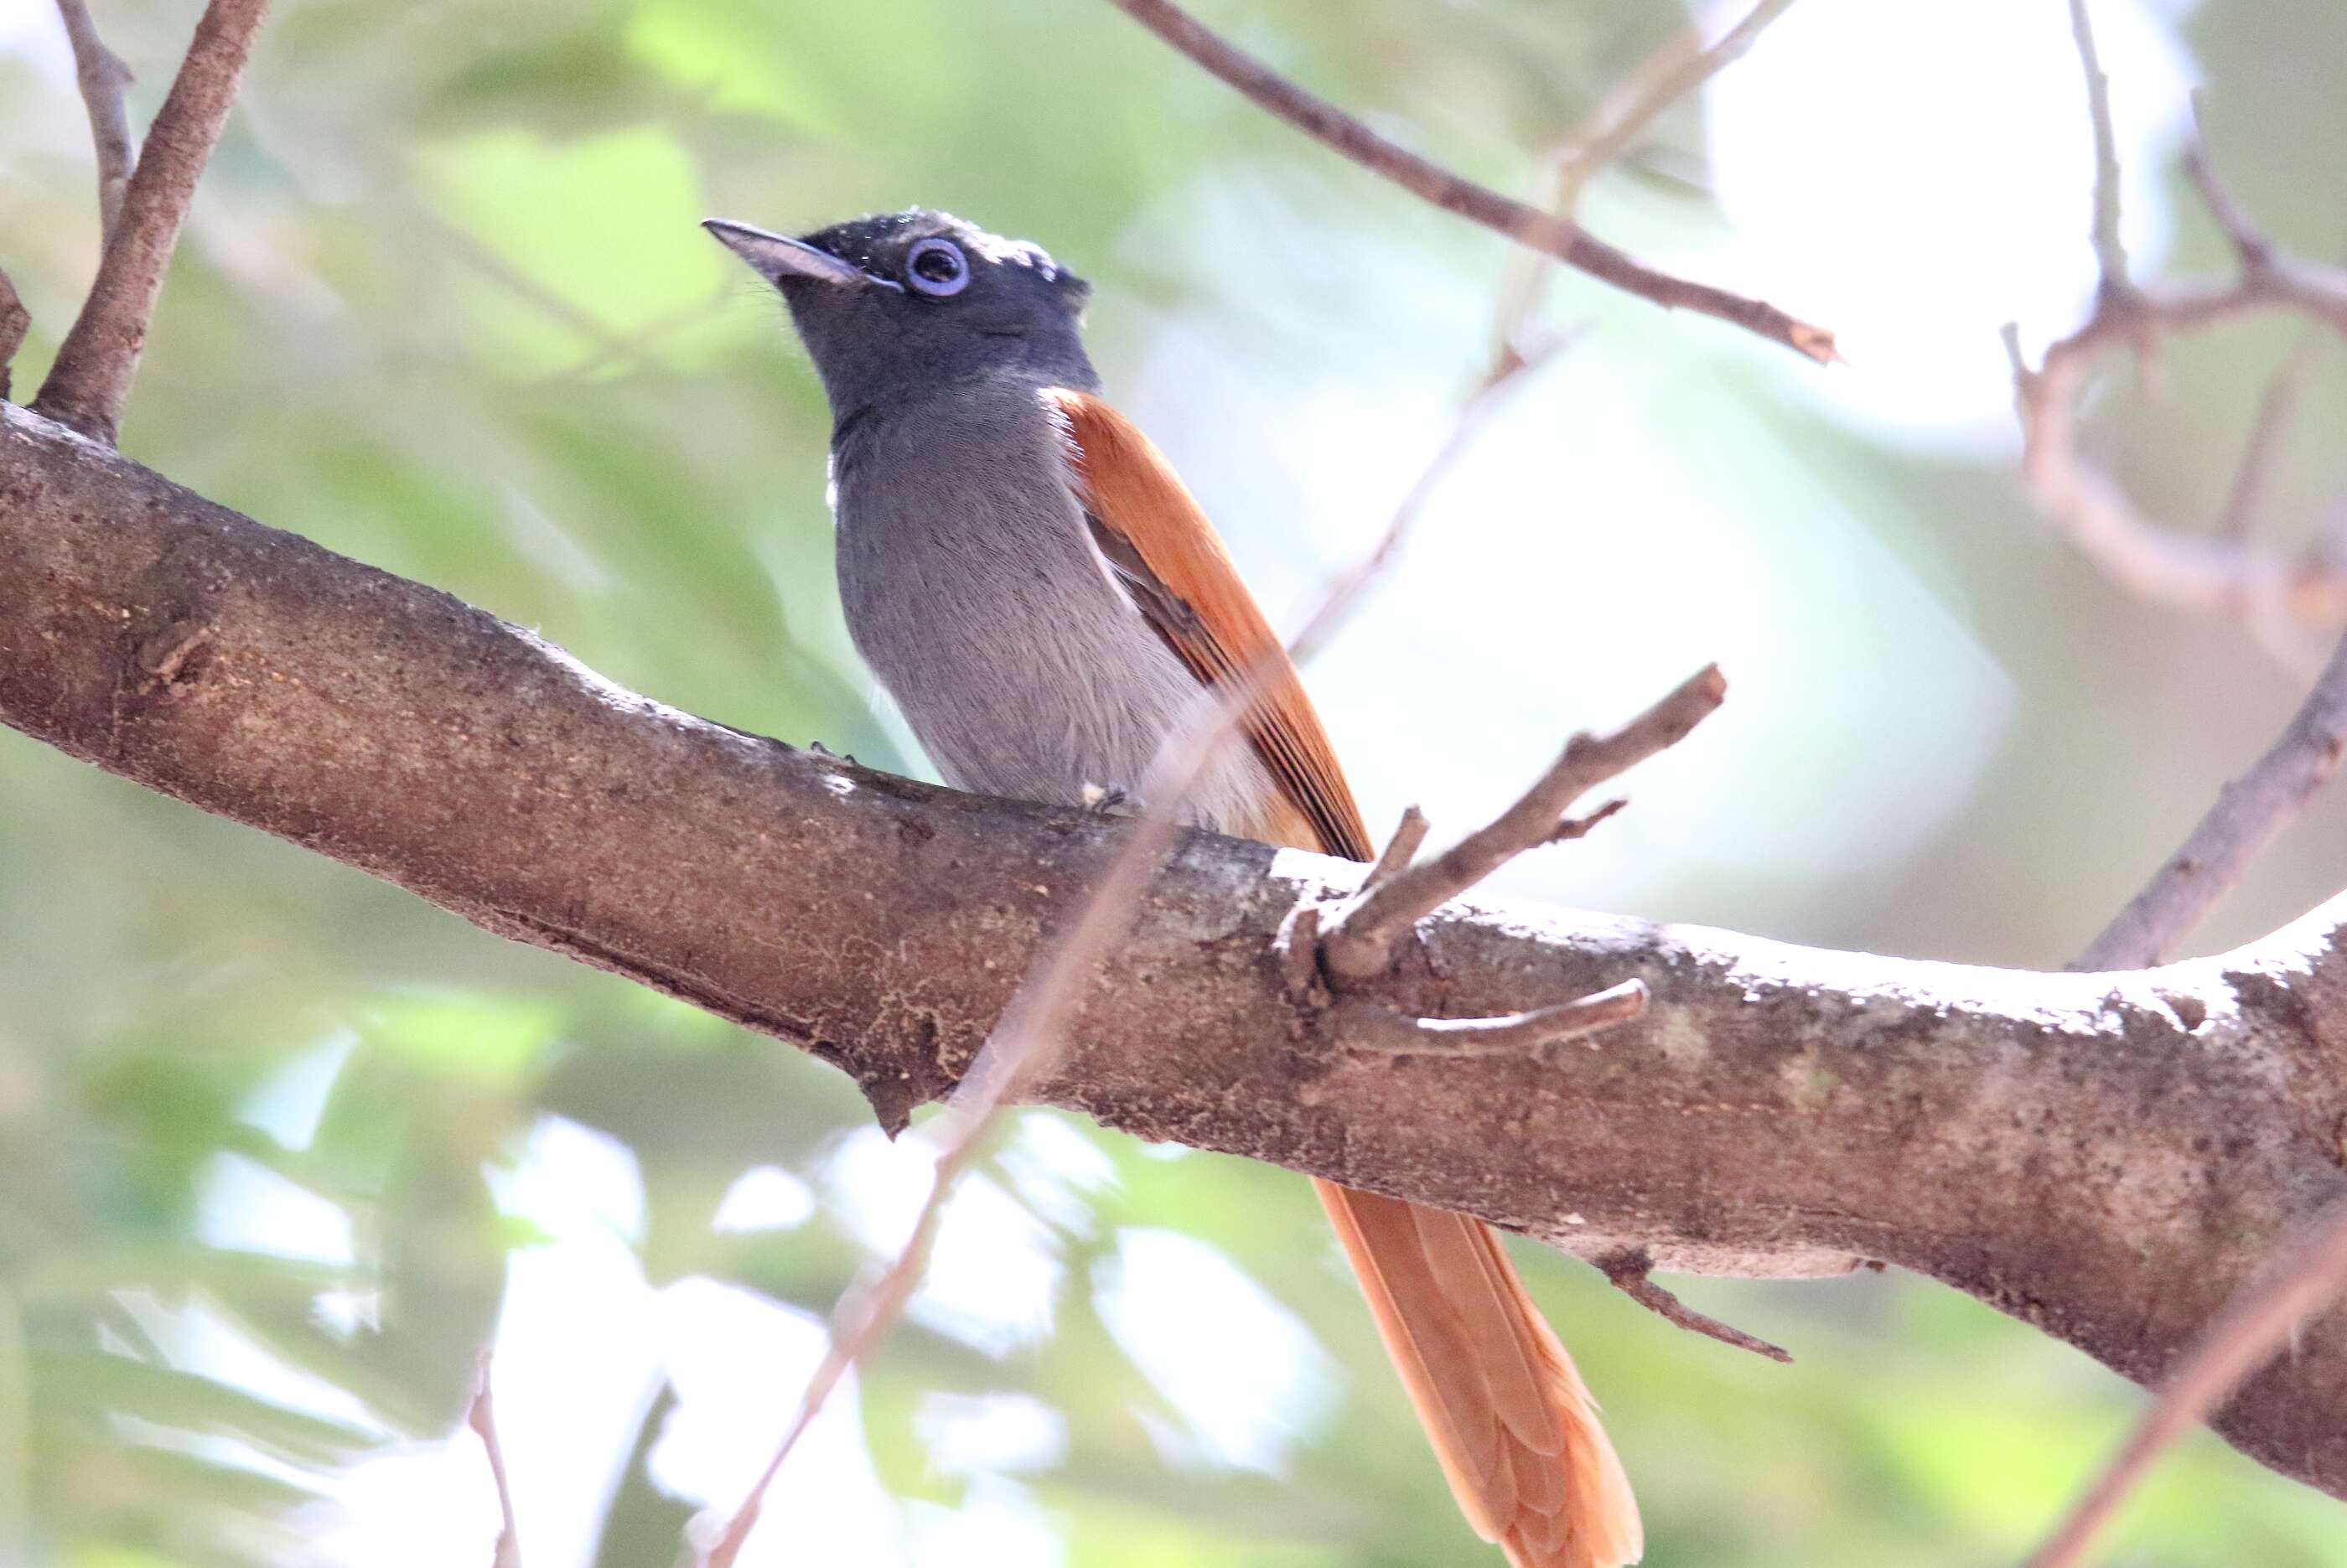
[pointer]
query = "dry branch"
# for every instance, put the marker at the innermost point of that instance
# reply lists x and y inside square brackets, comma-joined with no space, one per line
[1632,1272]
[2269,438]
[102,76]
[2249,814]
[2307,1277]
[1775,1105]
[1358,942]
[2224,572]
[1663,77]
[1671,74]
[1527,225]
[1409,838]
[481,1416]
[99,355]
[2110,251]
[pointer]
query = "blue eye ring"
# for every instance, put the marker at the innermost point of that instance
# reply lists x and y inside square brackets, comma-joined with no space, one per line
[937,267]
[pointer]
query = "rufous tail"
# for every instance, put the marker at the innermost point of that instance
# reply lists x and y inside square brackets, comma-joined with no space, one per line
[1516,1432]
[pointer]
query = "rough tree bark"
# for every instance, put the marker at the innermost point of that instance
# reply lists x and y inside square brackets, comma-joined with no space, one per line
[2106,1156]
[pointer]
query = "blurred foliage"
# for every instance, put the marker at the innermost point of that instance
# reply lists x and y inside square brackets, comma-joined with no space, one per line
[443,307]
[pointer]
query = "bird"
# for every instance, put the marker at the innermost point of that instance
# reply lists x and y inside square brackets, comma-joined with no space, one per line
[1044,601]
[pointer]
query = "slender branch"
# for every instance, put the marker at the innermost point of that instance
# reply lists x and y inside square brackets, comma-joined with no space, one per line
[1454,193]
[2249,814]
[2308,1275]
[1408,837]
[1360,940]
[2268,440]
[1672,73]
[1345,593]
[1631,1271]
[102,76]
[95,364]
[1681,65]
[2223,573]
[868,1311]
[482,1417]
[15,321]
[2110,253]
[2250,247]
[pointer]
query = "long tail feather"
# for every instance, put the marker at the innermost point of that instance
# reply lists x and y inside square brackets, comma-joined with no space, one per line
[1515,1431]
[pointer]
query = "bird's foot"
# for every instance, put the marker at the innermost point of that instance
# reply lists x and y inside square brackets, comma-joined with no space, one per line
[1110,800]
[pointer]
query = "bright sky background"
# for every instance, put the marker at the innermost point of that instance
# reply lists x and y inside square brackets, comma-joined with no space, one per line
[1917,239]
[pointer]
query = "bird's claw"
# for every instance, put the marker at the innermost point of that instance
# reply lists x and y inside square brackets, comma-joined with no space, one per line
[1109,800]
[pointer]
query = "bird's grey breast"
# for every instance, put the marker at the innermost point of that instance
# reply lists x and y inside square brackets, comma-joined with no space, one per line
[973,589]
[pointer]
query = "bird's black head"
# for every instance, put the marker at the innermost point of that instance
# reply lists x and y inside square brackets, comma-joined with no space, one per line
[895,307]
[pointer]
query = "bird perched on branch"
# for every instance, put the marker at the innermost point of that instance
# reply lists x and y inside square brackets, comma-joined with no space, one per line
[1043,599]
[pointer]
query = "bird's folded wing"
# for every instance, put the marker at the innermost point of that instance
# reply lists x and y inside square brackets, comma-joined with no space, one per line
[1174,567]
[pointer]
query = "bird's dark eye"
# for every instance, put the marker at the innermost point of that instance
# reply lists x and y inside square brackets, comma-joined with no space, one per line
[937,267]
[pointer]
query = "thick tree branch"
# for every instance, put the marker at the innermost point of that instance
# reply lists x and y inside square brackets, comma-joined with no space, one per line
[95,364]
[1527,225]
[2109,1157]
[2249,814]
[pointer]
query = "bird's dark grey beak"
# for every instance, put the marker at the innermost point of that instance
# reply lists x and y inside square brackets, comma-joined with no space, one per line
[775,256]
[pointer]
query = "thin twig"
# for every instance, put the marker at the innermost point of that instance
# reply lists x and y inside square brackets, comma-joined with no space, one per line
[2307,1277]
[482,1417]
[16,321]
[1663,77]
[1574,827]
[1527,225]
[1408,837]
[1632,1273]
[2223,573]
[1380,1031]
[2268,439]
[1611,130]
[2250,246]
[2249,814]
[2110,253]
[1359,941]
[1525,276]
[1625,116]
[102,76]
[95,364]
[1030,1035]
[1344,593]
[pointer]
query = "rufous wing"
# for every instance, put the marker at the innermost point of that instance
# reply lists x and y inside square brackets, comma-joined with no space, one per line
[1172,565]
[1516,1432]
